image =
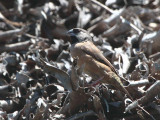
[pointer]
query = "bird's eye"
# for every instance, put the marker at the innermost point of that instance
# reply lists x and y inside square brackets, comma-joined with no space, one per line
[76,30]
[74,39]
[85,38]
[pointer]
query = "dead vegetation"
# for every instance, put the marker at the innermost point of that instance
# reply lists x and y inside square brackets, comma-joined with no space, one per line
[39,79]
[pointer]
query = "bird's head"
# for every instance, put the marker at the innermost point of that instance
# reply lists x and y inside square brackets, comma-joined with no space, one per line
[79,35]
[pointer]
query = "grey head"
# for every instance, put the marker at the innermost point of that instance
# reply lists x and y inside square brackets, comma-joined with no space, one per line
[79,35]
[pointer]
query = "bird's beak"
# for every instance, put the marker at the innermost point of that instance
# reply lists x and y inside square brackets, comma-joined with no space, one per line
[71,33]
[73,36]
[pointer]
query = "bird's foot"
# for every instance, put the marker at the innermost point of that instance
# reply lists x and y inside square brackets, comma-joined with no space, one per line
[96,82]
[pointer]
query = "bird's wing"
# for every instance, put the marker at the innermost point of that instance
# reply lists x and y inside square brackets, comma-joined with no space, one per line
[90,49]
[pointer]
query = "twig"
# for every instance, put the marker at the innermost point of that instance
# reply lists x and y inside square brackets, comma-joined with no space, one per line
[103,6]
[12,25]
[155,56]
[35,37]
[111,11]
[149,96]
[138,83]
[141,36]
[9,35]
[132,25]
[15,47]
[150,93]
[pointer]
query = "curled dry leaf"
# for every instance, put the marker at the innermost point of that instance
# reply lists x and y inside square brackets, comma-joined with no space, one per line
[6,91]
[72,107]
[22,77]
[148,97]
[150,43]
[84,17]
[62,76]
[11,105]
[52,29]
[98,107]
[41,112]
[13,115]
[128,28]
[120,28]
[155,70]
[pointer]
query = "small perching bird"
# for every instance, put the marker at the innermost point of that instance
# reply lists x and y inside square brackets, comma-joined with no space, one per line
[92,60]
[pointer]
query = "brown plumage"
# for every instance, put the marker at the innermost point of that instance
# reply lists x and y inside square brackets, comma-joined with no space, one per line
[92,59]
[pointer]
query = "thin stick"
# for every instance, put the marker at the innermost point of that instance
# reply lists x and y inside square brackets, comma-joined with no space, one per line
[15,47]
[103,6]
[111,11]
[12,25]
[36,37]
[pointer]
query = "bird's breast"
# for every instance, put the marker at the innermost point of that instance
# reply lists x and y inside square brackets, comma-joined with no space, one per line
[88,63]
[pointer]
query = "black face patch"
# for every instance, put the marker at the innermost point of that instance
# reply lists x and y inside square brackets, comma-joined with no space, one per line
[74,39]
[76,31]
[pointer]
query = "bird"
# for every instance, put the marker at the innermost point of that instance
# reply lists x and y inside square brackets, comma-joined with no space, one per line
[92,60]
